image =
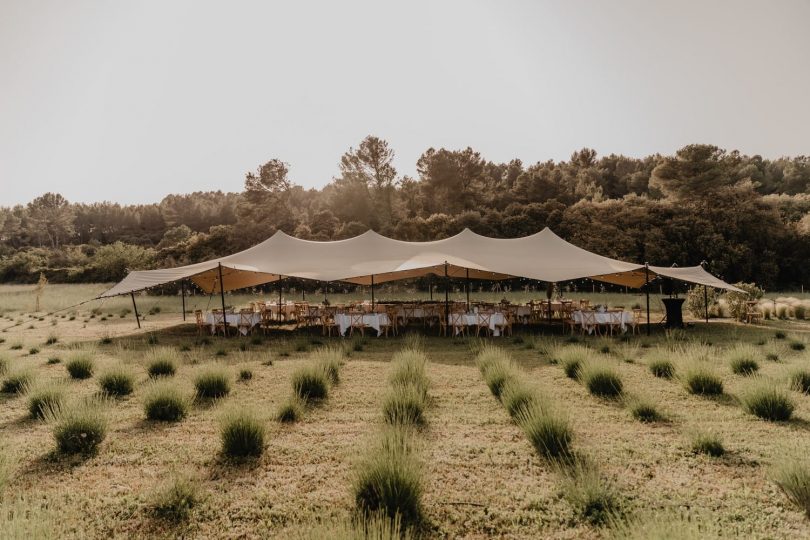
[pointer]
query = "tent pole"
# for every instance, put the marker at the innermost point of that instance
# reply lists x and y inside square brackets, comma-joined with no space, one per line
[183,296]
[706,301]
[430,287]
[326,293]
[135,307]
[303,293]
[467,286]
[647,291]
[279,296]
[446,297]
[372,292]
[222,297]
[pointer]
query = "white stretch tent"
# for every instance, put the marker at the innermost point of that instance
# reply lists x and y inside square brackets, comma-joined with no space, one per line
[371,258]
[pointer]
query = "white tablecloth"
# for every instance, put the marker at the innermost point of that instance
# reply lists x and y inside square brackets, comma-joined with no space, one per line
[233,320]
[622,318]
[472,319]
[288,310]
[372,320]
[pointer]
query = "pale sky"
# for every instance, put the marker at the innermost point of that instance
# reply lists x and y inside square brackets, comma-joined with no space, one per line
[131,101]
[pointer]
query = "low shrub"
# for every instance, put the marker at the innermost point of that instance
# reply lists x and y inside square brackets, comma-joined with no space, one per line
[245,374]
[704,442]
[572,358]
[53,360]
[176,499]
[797,345]
[768,401]
[700,379]
[405,404]
[779,335]
[793,478]
[549,432]
[242,434]
[662,368]
[213,382]
[388,480]
[33,350]
[800,380]
[16,381]
[743,359]
[517,396]
[310,383]
[291,410]
[591,496]
[46,398]
[80,365]
[644,410]
[80,428]
[329,359]
[165,402]
[601,380]
[162,362]
[117,381]
[572,367]
[666,525]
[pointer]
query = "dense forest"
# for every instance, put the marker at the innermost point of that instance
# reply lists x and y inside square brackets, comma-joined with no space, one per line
[748,217]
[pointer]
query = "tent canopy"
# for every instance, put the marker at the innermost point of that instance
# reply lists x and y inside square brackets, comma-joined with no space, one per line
[543,256]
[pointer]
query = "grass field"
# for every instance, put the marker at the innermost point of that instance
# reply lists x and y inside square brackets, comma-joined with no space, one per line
[480,475]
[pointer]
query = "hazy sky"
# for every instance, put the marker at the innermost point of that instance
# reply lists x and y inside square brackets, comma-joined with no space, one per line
[130,101]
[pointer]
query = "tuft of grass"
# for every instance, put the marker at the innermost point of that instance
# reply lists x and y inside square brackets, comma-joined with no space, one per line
[16,381]
[388,480]
[53,360]
[80,365]
[601,380]
[800,380]
[572,358]
[4,365]
[175,500]
[591,496]
[162,362]
[405,404]
[80,428]
[644,410]
[409,370]
[706,442]
[242,434]
[117,381]
[700,379]
[372,526]
[549,432]
[793,478]
[165,402]
[666,525]
[661,368]
[517,396]
[768,401]
[291,410]
[45,398]
[329,360]
[52,338]
[496,367]
[779,335]
[310,383]
[797,345]
[213,382]
[245,374]
[743,360]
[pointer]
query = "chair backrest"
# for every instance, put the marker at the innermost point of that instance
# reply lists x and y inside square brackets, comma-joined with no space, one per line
[245,317]
[198,314]
[485,318]
[457,318]
[219,316]
[637,315]
[356,318]
[588,318]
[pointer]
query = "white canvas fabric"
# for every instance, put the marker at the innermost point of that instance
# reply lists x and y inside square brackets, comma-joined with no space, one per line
[543,256]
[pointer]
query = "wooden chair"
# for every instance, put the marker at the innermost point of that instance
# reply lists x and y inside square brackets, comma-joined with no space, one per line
[635,324]
[588,324]
[570,322]
[457,323]
[388,323]
[505,327]
[201,326]
[245,321]
[752,313]
[301,312]
[266,320]
[484,321]
[356,321]
[220,322]
[328,322]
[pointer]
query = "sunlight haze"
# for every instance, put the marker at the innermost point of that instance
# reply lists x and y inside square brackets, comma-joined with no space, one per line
[131,101]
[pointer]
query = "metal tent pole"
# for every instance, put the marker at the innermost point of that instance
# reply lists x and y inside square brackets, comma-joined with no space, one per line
[446,297]
[183,296]
[280,277]
[222,297]
[647,291]
[467,286]
[372,292]
[326,293]
[135,307]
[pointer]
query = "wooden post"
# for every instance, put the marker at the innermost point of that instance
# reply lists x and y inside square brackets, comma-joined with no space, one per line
[135,307]
[183,295]
[280,277]
[222,297]
[647,291]
[372,292]
[706,302]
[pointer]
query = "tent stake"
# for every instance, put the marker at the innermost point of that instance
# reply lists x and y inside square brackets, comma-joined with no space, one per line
[372,292]
[183,296]
[446,297]
[135,307]
[222,297]
[647,291]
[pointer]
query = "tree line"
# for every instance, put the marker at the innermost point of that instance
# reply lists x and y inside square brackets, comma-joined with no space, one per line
[746,216]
